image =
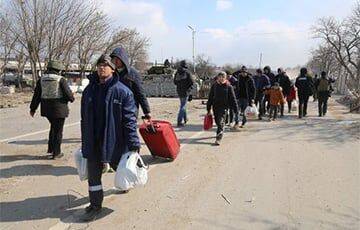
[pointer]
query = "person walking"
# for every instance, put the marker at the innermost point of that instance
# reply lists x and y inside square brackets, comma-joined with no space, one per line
[184,82]
[285,83]
[276,98]
[221,97]
[323,90]
[233,81]
[130,77]
[53,93]
[245,93]
[304,84]
[291,97]
[262,82]
[108,128]
[268,72]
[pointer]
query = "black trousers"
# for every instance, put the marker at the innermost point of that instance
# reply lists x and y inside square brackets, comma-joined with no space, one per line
[273,111]
[303,102]
[289,106]
[322,102]
[55,135]
[96,193]
[95,167]
[219,116]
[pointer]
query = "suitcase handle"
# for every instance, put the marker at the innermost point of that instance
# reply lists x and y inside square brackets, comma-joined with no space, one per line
[150,128]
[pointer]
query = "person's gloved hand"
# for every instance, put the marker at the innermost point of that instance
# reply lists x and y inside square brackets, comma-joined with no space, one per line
[134,149]
[148,116]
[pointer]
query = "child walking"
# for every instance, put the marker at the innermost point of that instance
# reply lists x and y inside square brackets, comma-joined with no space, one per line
[221,97]
[291,97]
[276,99]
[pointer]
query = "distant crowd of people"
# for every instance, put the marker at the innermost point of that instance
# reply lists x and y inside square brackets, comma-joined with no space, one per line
[231,94]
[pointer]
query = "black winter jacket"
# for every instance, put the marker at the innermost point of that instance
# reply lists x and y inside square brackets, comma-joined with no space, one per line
[130,77]
[272,78]
[284,82]
[245,87]
[52,108]
[222,97]
[183,82]
[305,85]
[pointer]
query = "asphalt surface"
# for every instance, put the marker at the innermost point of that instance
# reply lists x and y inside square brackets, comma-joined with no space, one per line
[287,174]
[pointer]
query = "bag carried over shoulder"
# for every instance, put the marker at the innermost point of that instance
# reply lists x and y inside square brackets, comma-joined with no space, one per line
[81,165]
[251,112]
[208,121]
[131,171]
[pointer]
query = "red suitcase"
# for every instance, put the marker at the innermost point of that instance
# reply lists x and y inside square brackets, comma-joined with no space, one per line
[160,138]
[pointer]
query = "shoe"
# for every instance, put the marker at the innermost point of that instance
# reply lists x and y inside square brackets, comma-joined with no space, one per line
[217,142]
[58,156]
[242,126]
[236,127]
[186,121]
[260,118]
[90,213]
[180,125]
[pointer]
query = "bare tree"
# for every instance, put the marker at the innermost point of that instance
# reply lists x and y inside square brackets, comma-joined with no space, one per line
[204,68]
[134,43]
[67,30]
[7,41]
[344,38]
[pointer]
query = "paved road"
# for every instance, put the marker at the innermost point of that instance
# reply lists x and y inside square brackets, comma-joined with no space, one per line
[288,174]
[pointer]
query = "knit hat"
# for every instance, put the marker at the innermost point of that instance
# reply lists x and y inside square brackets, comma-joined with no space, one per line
[105,59]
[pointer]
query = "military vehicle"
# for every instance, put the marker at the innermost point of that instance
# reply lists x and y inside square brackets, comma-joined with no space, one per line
[159,82]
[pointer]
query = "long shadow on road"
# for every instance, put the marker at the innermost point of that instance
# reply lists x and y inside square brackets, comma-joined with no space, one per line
[22,157]
[44,141]
[37,170]
[58,207]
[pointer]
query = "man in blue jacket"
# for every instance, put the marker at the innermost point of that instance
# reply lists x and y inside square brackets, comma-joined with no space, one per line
[261,83]
[108,128]
[130,77]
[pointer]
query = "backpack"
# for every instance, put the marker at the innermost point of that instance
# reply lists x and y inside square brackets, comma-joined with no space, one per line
[323,85]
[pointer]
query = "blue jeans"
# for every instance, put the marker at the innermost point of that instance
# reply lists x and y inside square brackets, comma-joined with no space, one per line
[260,100]
[182,111]
[243,103]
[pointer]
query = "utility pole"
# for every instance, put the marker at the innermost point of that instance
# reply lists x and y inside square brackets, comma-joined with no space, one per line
[193,45]
[260,62]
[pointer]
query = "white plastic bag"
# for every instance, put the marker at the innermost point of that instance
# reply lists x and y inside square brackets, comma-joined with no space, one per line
[294,106]
[128,173]
[81,165]
[251,112]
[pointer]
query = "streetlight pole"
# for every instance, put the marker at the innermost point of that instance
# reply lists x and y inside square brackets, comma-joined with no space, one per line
[193,31]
